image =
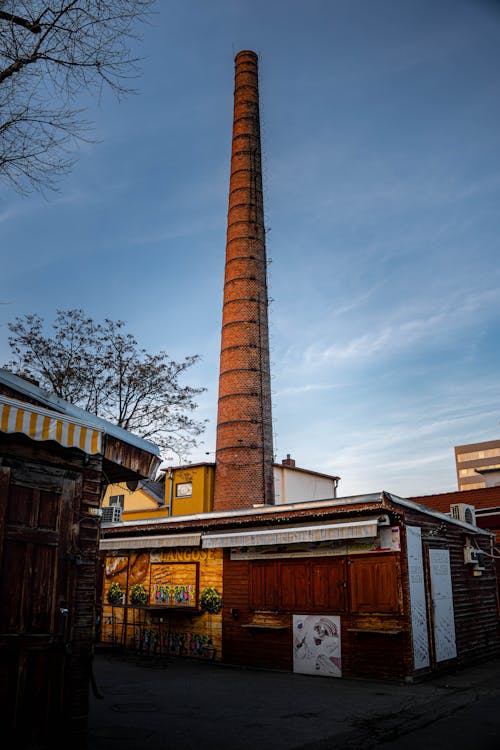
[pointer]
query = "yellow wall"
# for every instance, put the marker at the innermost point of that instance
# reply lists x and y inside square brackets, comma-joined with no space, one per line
[136,500]
[163,627]
[140,506]
[201,478]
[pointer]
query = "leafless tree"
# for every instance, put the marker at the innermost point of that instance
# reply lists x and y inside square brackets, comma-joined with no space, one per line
[100,367]
[50,52]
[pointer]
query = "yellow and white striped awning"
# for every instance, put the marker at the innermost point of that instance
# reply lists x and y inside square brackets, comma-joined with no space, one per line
[44,424]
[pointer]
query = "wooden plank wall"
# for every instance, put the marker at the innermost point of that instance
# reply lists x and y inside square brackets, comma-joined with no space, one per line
[353,582]
[70,639]
[474,598]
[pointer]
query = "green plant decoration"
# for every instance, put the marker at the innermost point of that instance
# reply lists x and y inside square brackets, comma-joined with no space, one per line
[210,600]
[138,595]
[115,595]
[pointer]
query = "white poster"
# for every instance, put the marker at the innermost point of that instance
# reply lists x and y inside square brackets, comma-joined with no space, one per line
[442,604]
[420,636]
[316,645]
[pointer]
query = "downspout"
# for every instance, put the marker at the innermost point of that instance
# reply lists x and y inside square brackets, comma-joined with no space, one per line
[170,475]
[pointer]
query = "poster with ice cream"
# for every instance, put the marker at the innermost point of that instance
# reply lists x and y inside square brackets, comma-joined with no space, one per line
[316,645]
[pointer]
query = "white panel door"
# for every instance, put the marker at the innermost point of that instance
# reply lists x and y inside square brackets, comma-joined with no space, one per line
[442,604]
[419,632]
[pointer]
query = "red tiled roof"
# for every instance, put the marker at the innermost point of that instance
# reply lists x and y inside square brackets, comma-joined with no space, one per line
[487,497]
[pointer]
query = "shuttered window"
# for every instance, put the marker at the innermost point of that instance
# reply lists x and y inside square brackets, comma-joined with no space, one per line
[294,586]
[365,584]
[263,585]
[373,584]
[328,585]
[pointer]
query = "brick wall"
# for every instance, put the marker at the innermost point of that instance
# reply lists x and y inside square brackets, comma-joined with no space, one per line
[244,455]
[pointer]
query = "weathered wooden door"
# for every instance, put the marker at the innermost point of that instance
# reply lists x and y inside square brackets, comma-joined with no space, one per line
[36,578]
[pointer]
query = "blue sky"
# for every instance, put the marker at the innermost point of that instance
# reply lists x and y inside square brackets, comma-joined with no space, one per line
[381,137]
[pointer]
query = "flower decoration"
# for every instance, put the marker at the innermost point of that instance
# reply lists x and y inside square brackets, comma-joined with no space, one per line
[210,600]
[138,595]
[115,595]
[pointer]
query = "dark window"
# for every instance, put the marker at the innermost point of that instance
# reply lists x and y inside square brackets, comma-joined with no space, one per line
[117,500]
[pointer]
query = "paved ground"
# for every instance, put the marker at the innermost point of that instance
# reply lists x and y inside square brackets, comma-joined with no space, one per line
[191,704]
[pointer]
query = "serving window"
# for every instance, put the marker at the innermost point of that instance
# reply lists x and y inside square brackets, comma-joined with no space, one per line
[373,585]
[303,585]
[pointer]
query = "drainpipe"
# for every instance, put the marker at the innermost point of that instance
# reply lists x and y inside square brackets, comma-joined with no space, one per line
[170,475]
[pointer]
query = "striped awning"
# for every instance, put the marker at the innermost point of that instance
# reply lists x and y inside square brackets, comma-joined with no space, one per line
[43,424]
[294,535]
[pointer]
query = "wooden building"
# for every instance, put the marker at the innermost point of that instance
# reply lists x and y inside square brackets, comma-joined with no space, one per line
[373,585]
[484,502]
[55,461]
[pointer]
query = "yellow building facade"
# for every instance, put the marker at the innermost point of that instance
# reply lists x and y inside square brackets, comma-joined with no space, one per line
[184,490]
[171,618]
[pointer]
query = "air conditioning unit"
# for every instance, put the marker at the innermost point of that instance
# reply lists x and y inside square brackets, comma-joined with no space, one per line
[463,512]
[112,514]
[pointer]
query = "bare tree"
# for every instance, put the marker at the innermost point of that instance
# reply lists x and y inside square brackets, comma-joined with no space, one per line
[49,53]
[100,367]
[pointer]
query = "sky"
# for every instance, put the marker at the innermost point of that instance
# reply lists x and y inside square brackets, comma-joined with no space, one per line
[381,157]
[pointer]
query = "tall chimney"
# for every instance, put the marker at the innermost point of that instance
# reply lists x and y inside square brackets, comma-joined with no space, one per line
[244,451]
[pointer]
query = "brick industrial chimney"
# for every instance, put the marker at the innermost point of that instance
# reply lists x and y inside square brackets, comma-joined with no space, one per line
[244,452]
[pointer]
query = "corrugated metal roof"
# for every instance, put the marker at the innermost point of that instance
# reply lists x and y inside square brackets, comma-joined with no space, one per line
[435,514]
[291,513]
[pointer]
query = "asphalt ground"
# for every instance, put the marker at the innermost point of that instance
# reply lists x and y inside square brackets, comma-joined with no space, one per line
[182,703]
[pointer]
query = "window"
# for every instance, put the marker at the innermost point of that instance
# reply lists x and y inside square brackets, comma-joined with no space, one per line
[374,585]
[294,586]
[328,585]
[298,585]
[184,489]
[263,585]
[117,500]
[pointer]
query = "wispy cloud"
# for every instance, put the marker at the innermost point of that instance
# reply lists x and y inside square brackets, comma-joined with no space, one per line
[406,333]
[306,388]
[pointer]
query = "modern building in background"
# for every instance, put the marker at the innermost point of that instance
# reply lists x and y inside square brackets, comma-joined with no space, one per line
[478,465]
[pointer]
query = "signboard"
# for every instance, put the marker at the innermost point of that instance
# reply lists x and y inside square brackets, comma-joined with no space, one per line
[316,645]
[173,585]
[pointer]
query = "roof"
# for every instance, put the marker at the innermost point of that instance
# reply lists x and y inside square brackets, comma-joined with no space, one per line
[306,471]
[275,465]
[375,502]
[53,402]
[484,497]
[478,446]
[155,490]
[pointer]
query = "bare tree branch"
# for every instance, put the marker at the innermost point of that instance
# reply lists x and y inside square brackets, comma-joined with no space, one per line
[101,368]
[33,26]
[49,53]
